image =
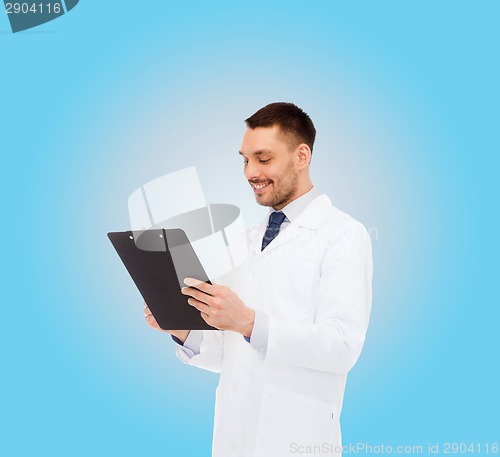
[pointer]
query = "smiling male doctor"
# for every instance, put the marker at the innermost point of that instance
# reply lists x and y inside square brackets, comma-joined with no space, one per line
[294,315]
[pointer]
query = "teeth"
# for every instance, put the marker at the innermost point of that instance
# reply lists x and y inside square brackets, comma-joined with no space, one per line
[259,186]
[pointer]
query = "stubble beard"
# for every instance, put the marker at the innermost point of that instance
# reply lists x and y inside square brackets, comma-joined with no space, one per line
[281,196]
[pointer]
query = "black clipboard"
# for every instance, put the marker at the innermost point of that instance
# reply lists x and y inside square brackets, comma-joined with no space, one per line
[148,256]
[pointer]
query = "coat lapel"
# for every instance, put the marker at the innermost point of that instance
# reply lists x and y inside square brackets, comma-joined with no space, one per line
[311,218]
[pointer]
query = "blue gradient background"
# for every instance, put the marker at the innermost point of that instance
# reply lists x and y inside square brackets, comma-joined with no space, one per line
[405,99]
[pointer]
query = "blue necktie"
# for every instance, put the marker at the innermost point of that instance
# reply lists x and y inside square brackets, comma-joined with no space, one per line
[273,228]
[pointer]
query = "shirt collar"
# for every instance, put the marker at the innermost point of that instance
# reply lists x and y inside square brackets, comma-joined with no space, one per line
[297,206]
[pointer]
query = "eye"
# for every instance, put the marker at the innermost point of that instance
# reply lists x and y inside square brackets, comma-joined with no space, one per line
[264,161]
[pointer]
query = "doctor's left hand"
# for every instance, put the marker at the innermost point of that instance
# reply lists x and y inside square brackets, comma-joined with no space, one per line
[220,306]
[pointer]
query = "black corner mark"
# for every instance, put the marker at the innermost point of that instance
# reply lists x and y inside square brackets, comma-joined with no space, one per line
[70,4]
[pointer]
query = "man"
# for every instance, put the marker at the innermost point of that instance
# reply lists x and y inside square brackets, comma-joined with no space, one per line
[294,315]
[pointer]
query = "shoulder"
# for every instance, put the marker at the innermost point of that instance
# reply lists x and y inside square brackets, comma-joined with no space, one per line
[341,225]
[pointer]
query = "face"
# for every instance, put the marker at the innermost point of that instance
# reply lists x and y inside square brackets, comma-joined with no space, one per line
[270,166]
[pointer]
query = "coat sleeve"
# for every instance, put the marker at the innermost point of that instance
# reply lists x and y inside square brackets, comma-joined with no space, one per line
[206,350]
[333,342]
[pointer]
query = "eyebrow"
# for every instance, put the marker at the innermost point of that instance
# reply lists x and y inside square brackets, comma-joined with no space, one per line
[258,152]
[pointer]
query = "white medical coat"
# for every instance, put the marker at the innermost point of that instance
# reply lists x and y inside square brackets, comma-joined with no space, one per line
[314,283]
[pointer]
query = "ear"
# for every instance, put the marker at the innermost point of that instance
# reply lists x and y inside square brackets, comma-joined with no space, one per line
[303,155]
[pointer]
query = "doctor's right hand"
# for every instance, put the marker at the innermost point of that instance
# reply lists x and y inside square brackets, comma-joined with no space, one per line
[151,321]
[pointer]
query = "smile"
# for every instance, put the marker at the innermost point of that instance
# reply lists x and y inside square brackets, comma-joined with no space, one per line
[260,187]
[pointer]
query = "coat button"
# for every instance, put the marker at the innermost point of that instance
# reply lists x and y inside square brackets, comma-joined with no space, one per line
[235,388]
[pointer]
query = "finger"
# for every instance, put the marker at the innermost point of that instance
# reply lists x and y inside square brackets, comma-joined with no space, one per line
[200,306]
[205,316]
[197,294]
[151,321]
[147,311]
[153,324]
[207,319]
[200,285]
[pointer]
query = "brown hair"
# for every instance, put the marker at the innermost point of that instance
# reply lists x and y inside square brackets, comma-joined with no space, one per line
[294,123]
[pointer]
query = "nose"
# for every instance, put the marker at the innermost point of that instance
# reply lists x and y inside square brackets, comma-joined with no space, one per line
[251,170]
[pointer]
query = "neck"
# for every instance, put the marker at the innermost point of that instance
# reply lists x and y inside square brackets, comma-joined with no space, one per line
[301,190]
